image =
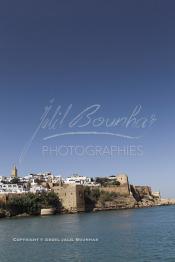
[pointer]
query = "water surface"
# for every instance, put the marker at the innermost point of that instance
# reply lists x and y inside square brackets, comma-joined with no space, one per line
[137,235]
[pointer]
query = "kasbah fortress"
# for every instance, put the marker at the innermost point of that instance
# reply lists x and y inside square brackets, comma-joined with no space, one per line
[128,196]
[73,196]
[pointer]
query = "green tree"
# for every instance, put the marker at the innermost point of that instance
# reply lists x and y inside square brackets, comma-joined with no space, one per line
[15,180]
[32,203]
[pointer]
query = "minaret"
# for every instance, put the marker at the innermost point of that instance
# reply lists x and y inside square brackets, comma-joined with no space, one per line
[14,172]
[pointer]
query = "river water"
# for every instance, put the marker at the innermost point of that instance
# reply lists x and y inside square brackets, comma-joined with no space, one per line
[136,235]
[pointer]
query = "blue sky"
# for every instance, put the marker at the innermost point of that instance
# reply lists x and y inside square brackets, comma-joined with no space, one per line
[117,54]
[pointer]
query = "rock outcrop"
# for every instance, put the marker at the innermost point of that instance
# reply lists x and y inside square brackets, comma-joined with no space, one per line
[117,203]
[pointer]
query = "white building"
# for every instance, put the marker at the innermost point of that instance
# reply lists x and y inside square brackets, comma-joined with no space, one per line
[40,176]
[44,177]
[11,188]
[112,177]
[79,180]
[156,195]
[5,179]
[56,179]
[35,188]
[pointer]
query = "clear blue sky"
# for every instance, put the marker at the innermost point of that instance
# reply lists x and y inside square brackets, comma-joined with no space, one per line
[118,54]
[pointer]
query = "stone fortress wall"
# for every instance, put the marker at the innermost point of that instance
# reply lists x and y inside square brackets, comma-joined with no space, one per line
[122,190]
[71,196]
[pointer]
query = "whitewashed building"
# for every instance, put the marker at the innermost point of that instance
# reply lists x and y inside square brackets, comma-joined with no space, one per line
[11,188]
[79,180]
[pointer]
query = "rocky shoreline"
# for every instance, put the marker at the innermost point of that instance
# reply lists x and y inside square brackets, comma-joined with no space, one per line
[139,205]
[130,203]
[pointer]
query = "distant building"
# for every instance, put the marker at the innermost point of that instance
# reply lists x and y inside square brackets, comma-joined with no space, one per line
[2,178]
[112,177]
[14,172]
[79,180]
[11,188]
[156,195]
[36,188]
